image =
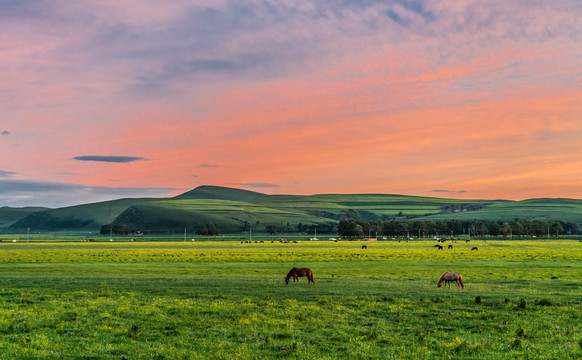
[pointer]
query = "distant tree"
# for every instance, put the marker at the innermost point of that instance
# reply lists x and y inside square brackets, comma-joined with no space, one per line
[482,228]
[431,226]
[420,228]
[299,227]
[569,228]
[350,228]
[403,229]
[271,229]
[442,227]
[377,227]
[506,229]
[517,228]
[208,229]
[556,228]
[526,226]
[493,228]
[456,226]
[117,229]
[540,227]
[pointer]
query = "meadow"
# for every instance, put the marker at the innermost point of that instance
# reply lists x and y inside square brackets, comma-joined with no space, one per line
[228,300]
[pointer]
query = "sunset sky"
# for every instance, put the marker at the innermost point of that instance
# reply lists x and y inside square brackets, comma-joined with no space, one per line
[460,99]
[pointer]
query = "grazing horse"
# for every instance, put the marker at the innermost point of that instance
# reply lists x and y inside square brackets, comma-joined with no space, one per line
[364,247]
[475,248]
[438,247]
[296,273]
[448,277]
[450,246]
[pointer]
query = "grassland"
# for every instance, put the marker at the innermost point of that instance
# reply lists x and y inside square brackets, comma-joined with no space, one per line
[200,300]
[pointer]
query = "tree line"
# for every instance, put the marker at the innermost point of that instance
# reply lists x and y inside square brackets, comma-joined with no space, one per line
[450,228]
[393,228]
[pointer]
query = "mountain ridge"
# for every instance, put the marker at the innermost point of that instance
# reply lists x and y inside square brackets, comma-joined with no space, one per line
[234,209]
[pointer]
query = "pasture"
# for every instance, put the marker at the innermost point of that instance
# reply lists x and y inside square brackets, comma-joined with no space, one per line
[201,300]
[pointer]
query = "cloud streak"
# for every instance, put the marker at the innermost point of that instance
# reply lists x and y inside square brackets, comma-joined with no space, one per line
[450,191]
[6,174]
[257,185]
[111,159]
[57,194]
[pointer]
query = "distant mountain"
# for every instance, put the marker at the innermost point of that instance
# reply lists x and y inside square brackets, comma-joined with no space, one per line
[221,193]
[10,215]
[233,210]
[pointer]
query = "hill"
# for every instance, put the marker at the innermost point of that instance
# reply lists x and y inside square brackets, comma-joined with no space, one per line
[234,210]
[10,215]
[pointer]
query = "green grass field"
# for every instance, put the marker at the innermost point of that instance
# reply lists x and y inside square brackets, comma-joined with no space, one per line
[227,300]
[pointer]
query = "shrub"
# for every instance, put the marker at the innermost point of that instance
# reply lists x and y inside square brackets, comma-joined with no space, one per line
[544,302]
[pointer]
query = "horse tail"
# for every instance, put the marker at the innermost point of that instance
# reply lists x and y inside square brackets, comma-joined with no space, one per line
[461,281]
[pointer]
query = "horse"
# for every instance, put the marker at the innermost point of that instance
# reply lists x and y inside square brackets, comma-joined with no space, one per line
[475,248]
[448,277]
[450,246]
[364,247]
[296,273]
[438,247]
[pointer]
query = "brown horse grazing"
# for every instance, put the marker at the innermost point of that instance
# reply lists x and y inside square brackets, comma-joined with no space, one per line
[448,277]
[475,248]
[296,273]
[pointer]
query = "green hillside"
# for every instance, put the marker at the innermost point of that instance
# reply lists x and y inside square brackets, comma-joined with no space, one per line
[79,217]
[233,210]
[10,215]
[539,209]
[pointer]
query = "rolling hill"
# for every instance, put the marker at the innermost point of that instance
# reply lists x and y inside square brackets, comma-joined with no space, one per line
[233,209]
[10,215]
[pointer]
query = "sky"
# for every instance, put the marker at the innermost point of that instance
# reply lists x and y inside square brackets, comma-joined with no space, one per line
[466,99]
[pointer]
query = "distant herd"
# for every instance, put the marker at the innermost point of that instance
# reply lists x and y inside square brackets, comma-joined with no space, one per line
[296,273]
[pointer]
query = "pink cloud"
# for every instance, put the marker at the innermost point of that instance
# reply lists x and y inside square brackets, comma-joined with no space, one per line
[404,97]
